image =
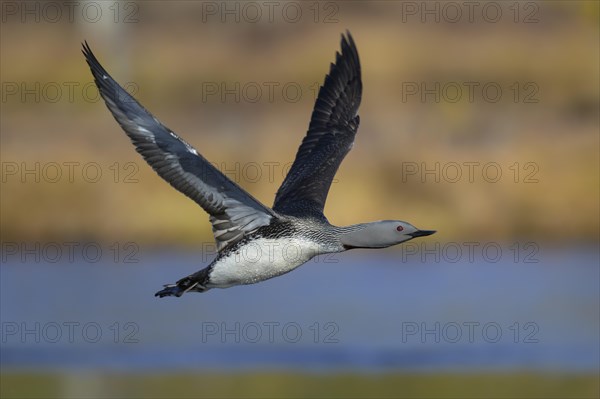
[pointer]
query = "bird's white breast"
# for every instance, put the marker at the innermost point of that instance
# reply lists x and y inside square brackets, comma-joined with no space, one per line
[262,259]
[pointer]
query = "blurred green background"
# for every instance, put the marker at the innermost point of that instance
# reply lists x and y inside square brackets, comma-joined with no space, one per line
[206,70]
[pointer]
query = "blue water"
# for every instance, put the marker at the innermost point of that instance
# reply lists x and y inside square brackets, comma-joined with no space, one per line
[363,310]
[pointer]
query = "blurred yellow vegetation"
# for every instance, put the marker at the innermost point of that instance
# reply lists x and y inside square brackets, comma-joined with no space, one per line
[307,385]
[554,142]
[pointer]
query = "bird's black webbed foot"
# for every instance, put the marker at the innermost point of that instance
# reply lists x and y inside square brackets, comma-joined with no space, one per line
[170,290]
[184,285]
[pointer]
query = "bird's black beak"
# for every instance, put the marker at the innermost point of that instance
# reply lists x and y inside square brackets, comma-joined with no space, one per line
[422,233]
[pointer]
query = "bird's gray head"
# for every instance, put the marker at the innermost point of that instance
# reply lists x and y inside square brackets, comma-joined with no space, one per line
[382,234]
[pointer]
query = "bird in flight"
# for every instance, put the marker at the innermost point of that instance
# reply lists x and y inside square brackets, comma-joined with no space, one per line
[255,242]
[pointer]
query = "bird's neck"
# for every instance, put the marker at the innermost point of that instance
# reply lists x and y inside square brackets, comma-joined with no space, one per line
[362,235]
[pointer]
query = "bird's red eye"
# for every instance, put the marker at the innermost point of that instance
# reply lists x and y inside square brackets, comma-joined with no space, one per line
[399,228]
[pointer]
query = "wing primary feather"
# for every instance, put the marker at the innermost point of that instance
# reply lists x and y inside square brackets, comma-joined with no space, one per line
[331,132]
[179,163]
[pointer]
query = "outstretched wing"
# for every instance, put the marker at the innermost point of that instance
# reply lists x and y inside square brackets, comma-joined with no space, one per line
[233,212]
[330,136]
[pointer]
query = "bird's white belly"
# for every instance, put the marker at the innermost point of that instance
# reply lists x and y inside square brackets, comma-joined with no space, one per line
[262,259]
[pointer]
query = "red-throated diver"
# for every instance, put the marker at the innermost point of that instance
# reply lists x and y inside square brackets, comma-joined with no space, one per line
[255,242]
